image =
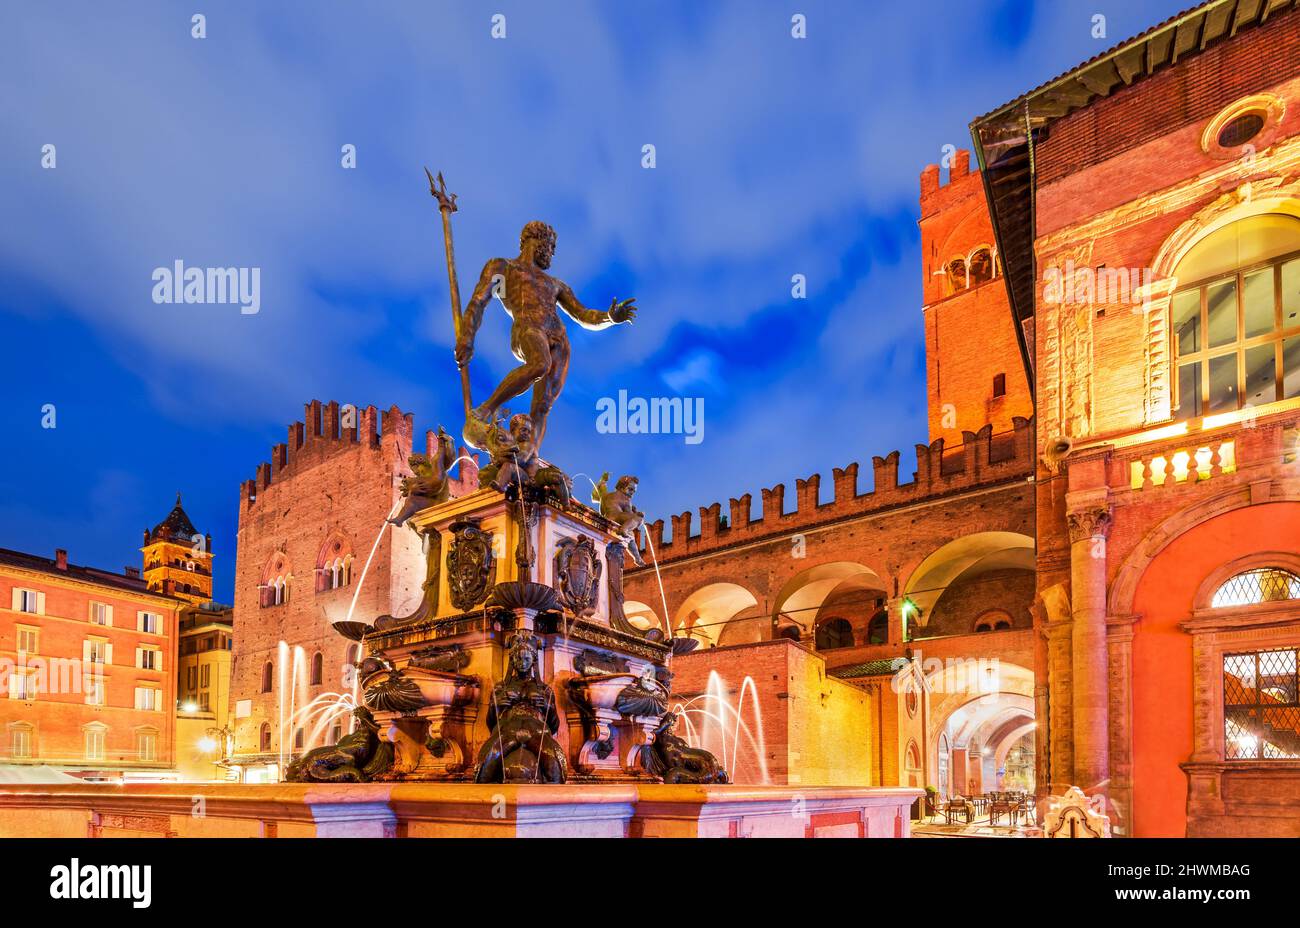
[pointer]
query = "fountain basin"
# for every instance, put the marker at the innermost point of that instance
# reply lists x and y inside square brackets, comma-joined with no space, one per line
[601,690]
[413,688]
[452,810]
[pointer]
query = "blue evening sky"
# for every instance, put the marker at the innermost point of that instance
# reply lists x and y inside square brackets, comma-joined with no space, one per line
[775,157]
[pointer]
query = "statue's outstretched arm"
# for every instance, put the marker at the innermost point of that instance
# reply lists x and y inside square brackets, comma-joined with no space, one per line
[595,319]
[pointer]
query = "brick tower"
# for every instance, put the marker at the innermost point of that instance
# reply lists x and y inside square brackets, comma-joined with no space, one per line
[177,558]
[974,371]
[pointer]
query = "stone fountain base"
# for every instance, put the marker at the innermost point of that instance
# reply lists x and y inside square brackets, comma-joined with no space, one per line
[499,569]
[450,810]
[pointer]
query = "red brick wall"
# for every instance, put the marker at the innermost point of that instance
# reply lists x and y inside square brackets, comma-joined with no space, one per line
[326,482]
[817,731]
[1158,106]
[962,603]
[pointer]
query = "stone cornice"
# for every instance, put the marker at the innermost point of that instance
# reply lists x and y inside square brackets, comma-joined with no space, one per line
[1239,618]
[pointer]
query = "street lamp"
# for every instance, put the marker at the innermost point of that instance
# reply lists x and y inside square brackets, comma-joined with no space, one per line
[218,738]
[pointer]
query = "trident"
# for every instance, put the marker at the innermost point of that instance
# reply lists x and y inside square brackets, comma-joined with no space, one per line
[447,206]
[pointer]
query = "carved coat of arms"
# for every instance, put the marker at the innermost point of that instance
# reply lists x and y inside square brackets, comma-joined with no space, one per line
[469,564]
[577,574]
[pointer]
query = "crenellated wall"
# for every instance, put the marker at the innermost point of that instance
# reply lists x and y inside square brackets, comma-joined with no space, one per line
[981,459]
[322,433]
[324,495]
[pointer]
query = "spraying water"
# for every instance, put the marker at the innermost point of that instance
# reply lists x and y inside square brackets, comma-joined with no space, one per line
[723,730]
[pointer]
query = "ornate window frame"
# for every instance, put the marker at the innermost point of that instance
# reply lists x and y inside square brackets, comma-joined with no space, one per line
[1221,630]
[1270,108]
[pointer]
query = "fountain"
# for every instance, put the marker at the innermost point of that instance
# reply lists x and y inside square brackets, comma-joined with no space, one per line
[518,664]
[718,725]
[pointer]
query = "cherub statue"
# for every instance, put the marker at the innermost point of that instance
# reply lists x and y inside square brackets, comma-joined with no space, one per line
[616,505]
[515,460]
[429,482]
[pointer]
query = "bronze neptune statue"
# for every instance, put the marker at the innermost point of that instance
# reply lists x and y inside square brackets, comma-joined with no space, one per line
[537,338]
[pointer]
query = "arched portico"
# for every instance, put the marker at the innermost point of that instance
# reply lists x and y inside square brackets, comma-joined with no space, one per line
[957,583]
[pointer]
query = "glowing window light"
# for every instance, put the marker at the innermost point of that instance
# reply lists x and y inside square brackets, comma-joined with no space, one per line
[1261,585]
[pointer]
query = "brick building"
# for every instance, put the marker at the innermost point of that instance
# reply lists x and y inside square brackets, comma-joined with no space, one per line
[1133,572]
[308,523]
[933,570]
[1150,225]
[89,660]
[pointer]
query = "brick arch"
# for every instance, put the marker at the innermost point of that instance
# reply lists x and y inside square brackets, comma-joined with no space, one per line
[710,607]
[277,565]
[1268,195]
[1123,588]
[932,575]
[800,598]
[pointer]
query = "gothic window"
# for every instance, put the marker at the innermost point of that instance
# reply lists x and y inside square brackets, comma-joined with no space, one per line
[980,267]
[265,737]
[268,674]
[1235,319]
[957,279]
[317,668]
[334,563]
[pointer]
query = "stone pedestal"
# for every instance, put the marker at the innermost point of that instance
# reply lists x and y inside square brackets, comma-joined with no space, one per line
[500,567]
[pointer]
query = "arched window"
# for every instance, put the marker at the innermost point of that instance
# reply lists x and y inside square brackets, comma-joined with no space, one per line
[317,668]
[834,633]
[275,580]
[980,267]
[878,628]
[334,562]
[995,620]
[957,278]
[264,738]
[1235,318]
[299,739]
[1261,585]
[268,676]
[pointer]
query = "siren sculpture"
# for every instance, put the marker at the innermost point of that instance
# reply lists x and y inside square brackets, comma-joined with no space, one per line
[673,759]
[522,718]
